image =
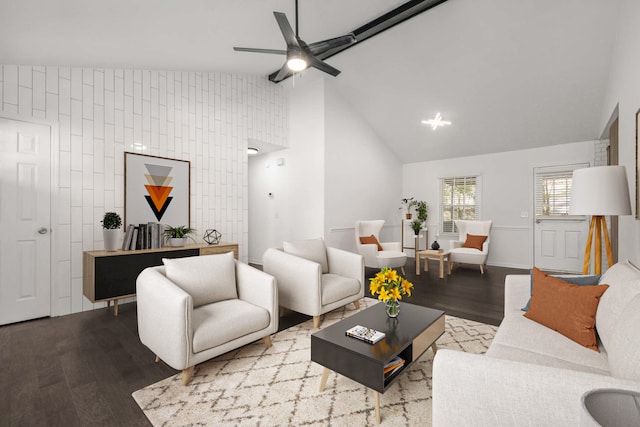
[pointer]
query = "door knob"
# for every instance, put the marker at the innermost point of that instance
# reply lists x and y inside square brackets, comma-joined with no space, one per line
[42,230]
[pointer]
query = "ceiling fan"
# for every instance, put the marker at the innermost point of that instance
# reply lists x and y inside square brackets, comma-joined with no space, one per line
[301,55]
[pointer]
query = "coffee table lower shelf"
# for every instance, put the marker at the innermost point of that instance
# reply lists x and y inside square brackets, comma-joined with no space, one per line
[409,336]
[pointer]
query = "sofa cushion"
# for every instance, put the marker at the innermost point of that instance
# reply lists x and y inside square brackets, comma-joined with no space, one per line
[576,280]
[218,323]
[311,249]
[624,354]
[566,308]
[474,242]
[335,288]
[207,278]
[522,339]
[624,285]
[370,240]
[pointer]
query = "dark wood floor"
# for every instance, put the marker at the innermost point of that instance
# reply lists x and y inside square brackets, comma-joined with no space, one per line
[80,370]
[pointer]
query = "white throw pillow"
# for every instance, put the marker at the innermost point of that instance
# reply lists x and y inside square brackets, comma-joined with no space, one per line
[624,285]
[622,352]
[208,278]
[312,249]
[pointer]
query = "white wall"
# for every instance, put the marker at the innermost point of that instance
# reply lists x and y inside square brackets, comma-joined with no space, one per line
[205,118]
[335,171]
[296,210]
[624,92]
[363,176]
[507,190]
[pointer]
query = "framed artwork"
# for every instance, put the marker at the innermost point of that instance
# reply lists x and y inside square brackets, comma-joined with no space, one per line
[637,190]
[156,189]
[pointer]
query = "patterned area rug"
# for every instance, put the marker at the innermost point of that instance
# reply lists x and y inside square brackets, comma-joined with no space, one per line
[279,386]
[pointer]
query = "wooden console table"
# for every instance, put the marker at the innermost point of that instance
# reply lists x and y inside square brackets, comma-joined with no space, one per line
[110,276]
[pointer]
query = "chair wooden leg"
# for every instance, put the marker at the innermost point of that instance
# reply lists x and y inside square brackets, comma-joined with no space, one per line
[316,322]
[357,304]
[481,269]
[157,359]
[186,375]
[267,340]
[403,273]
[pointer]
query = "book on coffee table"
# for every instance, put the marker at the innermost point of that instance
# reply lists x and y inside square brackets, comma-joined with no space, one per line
[365,334]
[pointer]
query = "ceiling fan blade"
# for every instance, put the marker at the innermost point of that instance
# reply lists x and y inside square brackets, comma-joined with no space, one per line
[322,66]
[287,32]
[250,49]
[326,45]
[282,74]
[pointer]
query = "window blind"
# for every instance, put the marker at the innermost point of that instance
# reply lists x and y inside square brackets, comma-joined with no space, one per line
[459,199]
[553,190]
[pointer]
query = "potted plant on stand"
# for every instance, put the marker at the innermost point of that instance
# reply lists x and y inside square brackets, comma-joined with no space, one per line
[416,225]
[111,223]
[408,203]
[177,236]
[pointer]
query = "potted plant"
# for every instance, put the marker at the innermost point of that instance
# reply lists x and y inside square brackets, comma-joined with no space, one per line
[408,203]
[421,210]
[111,223]
[177,236]
[416,225]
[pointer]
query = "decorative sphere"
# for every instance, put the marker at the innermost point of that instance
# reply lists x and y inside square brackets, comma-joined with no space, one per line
[435,245]
[212,236]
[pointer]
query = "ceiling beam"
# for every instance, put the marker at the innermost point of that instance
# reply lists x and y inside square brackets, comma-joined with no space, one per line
[376,26]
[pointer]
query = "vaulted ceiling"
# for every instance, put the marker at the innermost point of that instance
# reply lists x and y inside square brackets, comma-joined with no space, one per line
[507,74]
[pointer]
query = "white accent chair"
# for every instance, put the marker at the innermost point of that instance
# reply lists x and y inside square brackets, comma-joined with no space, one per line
[463,255]
[314,279]
[391,254]
[196,308]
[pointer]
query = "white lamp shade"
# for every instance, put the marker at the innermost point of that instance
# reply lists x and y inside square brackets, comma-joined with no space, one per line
[601,190]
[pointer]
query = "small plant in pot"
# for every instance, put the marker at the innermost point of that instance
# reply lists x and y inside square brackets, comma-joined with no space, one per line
[416,225]
[408,203]
[111,223]
[421,210]
[177,236]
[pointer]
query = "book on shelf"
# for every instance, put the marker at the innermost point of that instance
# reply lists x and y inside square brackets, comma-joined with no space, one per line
[126,241]
[365,334]
[134,239]
[392,366]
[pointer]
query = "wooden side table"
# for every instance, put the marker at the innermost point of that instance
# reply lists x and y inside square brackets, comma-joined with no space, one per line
[440,255]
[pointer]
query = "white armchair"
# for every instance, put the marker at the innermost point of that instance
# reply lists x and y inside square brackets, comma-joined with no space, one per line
[196,308]
[314,279]
[388,254]
[462,250]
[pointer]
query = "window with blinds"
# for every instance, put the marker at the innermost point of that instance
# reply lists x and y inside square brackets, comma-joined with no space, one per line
[459,199]
[553,190]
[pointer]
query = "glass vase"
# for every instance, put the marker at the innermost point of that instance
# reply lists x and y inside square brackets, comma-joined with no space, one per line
[392,307]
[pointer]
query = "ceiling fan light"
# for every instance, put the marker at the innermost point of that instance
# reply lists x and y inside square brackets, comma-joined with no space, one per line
[296,64]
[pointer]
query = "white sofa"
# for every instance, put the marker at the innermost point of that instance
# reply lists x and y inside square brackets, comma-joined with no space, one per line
[532,375]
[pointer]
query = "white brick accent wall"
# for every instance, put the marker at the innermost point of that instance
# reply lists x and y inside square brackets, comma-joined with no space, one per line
[205,118]
[601,153]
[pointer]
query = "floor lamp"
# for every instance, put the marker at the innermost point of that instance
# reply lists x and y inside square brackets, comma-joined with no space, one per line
[599,191]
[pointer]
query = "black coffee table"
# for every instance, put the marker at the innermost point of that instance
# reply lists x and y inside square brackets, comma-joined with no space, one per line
[408,336]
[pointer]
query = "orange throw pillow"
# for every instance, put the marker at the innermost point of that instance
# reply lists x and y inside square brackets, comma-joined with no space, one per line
[370,240]
[566,308]
[474,242]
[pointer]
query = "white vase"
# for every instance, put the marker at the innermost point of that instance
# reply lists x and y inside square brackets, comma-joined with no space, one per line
[111,237]
[177,242]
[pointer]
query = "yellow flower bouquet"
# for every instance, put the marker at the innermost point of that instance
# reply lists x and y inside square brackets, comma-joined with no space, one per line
[390,287]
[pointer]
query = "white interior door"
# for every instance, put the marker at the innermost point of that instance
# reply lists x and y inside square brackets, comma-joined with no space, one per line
[559,239]
[25,200]
[560,244]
